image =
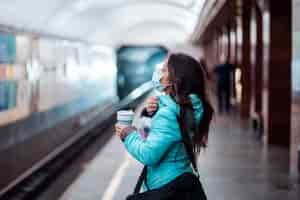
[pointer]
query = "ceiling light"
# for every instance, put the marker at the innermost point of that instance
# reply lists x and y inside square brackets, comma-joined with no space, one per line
[81,5]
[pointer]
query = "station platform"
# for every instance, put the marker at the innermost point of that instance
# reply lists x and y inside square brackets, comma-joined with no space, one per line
[235,166]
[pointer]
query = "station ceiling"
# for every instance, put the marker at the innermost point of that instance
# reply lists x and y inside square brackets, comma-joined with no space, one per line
[108,22]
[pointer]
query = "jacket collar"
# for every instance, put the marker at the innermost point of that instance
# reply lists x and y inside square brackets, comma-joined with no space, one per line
[167,100]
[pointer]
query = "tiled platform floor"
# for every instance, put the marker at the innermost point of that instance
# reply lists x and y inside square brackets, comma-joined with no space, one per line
[235,166]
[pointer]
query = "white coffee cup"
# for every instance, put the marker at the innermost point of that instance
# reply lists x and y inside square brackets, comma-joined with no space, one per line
[125,117]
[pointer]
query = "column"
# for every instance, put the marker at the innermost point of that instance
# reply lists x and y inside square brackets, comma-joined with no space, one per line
[277,24]
[256,61]
[246,65]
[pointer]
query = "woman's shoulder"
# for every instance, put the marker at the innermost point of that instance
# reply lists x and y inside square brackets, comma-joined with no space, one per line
[165,119]
[167,108]
[167,102]
[164,112]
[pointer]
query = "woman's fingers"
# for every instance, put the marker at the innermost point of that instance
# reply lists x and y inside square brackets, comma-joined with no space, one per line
[152,100]
[152,108]
[152,104]
[119,128]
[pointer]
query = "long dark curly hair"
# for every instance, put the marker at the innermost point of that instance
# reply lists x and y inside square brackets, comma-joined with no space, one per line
[189,77]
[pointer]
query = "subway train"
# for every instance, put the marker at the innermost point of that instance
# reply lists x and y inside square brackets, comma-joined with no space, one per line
[51,87]
[135,65]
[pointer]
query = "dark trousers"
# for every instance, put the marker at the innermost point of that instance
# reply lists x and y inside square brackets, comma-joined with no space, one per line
[223,91]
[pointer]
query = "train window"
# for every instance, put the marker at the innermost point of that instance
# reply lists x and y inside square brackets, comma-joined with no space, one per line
[8,84]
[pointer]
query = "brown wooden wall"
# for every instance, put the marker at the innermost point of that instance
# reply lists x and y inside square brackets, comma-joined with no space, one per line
[258,40]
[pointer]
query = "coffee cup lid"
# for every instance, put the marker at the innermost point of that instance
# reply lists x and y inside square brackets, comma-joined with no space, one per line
[125,112]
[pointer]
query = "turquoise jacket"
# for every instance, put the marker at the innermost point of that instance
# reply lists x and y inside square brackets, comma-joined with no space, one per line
[162,151]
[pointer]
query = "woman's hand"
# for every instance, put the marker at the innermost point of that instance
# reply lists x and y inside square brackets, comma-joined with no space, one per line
[123,130]
[152,104]
[119,129]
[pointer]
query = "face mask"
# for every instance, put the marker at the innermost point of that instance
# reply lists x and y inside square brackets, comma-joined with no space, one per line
[157,76]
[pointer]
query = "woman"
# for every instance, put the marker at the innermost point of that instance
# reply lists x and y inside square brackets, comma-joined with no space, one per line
[174,137]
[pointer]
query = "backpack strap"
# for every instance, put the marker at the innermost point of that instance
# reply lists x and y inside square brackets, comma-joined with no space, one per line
[142,178]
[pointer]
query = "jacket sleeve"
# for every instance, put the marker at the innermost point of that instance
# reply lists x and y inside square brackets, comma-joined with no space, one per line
[163,133]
